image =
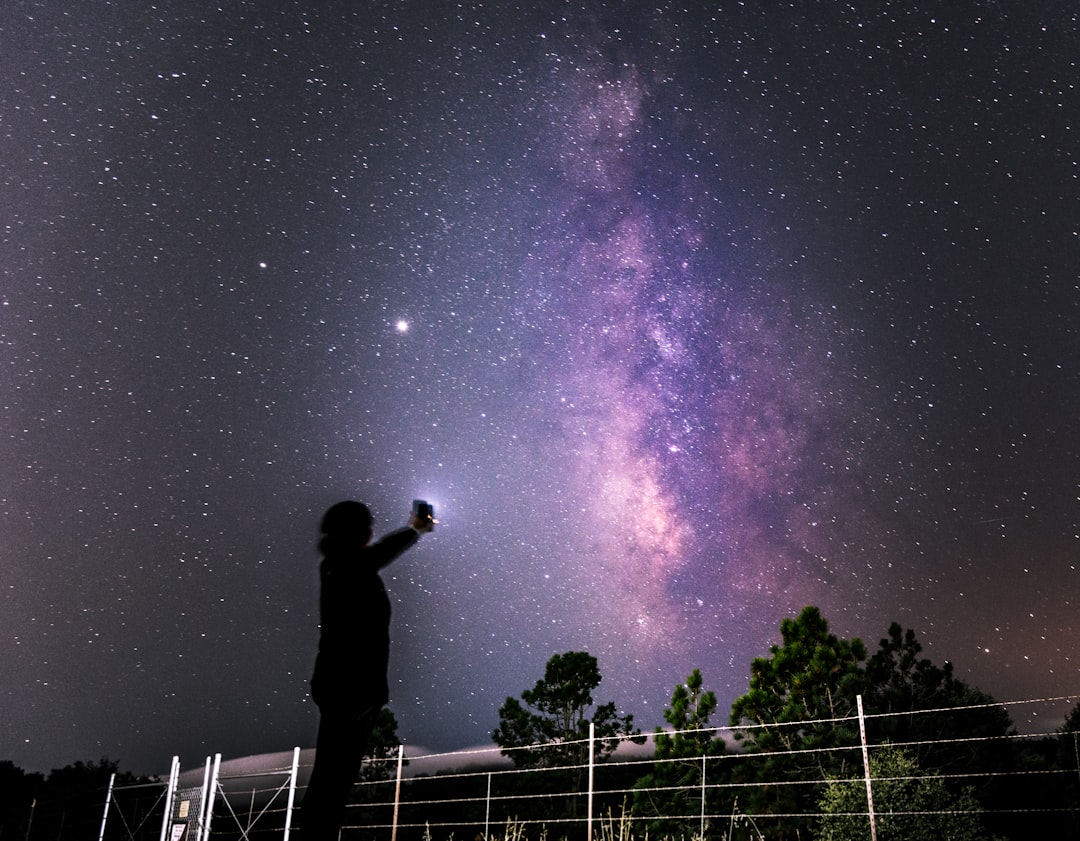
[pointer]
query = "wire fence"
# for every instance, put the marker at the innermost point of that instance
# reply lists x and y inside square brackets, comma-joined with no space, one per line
[1017,785]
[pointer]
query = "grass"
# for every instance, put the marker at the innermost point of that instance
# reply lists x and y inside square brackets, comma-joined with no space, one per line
[613,828]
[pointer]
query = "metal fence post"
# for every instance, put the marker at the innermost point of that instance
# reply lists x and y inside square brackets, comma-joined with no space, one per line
[174,776]
[292,792]
[866,770]
[211,794]
[487,809]
[108,800]
[592,765]
[201,817]
[397,791]
[702,829]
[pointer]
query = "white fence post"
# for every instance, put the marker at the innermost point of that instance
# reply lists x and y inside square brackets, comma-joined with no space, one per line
[210,796]
[203,833]
[701,831]
[397,791]
[174,776]
[108,800]
[201,817]
[292,792]
[1076,749]
[866,770]
[592,766]
[487,809]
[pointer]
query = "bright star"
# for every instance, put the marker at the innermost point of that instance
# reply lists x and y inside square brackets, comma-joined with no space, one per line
[402,326]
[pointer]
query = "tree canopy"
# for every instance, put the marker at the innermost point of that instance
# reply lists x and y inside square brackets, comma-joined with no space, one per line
[382,748]
[908,805]
[672,793]
[925,705]
[555,715]
[810,679]
[801,712]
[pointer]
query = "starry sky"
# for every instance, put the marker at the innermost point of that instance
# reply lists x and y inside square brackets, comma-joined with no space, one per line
[684,316]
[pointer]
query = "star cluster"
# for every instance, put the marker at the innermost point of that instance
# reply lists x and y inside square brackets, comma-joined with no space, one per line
[682,318]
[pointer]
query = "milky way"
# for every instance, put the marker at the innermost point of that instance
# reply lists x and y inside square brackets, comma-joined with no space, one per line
[682,319]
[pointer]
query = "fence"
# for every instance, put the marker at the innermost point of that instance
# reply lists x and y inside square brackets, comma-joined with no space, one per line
[1028,785]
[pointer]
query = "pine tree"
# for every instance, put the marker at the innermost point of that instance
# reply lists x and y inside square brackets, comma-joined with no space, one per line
[672,793]
[555,715]
[801,705]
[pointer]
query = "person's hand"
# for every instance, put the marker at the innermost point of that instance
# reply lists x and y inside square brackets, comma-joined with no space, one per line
[422,524]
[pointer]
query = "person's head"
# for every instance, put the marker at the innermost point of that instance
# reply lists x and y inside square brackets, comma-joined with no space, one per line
[348,520]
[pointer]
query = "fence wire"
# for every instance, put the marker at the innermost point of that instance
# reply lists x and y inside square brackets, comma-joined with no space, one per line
[482,793]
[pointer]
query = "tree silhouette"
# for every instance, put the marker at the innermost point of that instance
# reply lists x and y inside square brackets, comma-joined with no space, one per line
[555,715]
[801,713]
[551,729]
[926,706]
[17,805]
[810,681]
[672,792]
[65,804]
[801,704]
[382,749]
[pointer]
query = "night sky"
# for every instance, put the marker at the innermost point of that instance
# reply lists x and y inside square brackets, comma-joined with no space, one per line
[684,316]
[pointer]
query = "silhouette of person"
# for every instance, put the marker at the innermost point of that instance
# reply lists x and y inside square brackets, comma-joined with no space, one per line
[349,683]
